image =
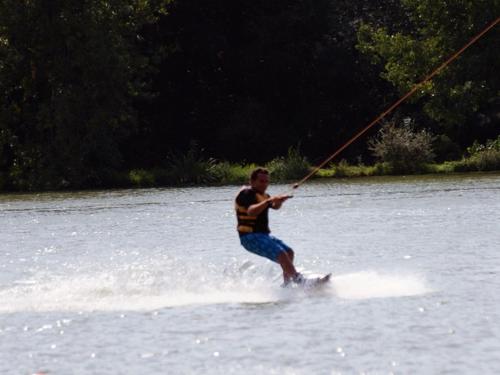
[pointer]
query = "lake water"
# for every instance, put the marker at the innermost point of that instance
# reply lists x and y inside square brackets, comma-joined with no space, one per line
[154,281]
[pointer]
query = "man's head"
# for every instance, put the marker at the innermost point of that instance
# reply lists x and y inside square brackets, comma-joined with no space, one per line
[259,179]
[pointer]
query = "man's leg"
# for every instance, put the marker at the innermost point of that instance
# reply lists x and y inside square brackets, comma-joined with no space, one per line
[273,249]
[285,259]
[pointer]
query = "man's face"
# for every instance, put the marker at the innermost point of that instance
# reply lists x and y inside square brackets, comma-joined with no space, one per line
[260,183]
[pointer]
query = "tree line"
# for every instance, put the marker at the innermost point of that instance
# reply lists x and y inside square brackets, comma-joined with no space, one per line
[92,88]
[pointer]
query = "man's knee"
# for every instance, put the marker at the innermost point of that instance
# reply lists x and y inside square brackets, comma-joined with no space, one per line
[290,253]
[284,257]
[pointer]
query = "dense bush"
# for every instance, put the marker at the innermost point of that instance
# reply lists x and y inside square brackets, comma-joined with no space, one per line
[191,167]
[490,145]
[446,149]
[293,166]
[142,178]
[487,160]
[402,148]
[482,157]
[227,173]
[344,169]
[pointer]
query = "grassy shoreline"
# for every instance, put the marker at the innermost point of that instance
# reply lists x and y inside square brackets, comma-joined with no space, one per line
[195,170]
[349,172]
[208,172]
[234,174]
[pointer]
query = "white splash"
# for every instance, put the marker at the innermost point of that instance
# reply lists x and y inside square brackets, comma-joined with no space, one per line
[149,287]
[370,284]
[128,289]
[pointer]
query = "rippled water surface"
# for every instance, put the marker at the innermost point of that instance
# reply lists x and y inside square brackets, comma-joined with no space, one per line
[155,281]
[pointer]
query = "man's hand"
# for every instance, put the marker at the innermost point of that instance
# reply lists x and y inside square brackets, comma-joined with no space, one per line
[278,200]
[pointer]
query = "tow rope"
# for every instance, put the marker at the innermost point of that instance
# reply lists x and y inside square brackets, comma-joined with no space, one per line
[398,102]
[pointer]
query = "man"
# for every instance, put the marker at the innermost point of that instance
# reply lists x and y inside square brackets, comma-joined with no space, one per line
[252,206]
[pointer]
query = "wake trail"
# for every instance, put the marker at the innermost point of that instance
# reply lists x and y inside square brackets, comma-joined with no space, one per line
[151,287]
[371,284]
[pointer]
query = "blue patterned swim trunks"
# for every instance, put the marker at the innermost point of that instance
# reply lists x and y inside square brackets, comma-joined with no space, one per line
[264,245]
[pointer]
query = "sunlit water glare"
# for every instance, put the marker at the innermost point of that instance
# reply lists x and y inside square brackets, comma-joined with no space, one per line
[155,281]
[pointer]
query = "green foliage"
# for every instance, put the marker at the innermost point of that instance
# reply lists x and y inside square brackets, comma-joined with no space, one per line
[446,167]
[446,149]
[402,148]
[191,167]
[227,173]
[293,166]
[383,169]
[325,172]
[248,79]
[490,145]
[69,71]
[482,157]
[90,90]
[438,28]
[487,160]
[344,169]
[142,178]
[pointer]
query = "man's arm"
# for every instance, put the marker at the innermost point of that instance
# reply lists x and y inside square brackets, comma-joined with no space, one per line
[273,202]
[257,208]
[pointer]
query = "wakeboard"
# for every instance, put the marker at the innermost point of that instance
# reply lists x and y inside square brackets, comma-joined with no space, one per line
[316,281]
[310,282]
